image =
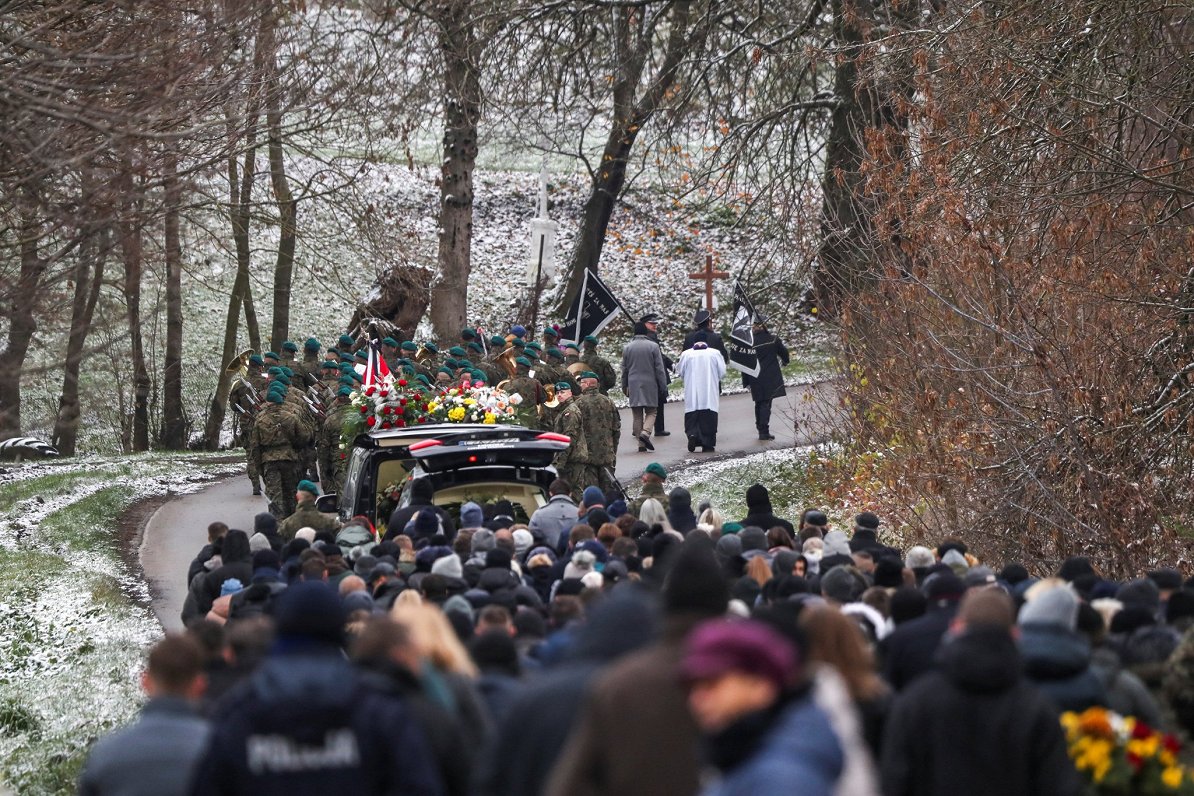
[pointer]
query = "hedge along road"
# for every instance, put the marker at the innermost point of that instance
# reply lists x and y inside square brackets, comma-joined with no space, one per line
[176,531]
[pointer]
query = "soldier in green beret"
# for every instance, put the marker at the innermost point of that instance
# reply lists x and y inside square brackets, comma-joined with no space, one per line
[273,451]
[333,461]
[592,422]
[599,364]
[653,477]
[289,351]
[305,515]
[529,389]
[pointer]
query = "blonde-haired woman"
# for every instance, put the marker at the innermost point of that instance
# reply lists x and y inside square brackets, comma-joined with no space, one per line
[446,670]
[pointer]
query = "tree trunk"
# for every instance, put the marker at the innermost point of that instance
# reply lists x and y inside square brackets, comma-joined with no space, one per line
[22,322]
[845,262]
[241,198]
[131,252]
[287,206]
[630,114]
[462,112]
[174,432]
[252,327]
[95,252]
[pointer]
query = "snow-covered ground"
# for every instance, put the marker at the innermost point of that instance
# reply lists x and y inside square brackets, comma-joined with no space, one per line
[74,621]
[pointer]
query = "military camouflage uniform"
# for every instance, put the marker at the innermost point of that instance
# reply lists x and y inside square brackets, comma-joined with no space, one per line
[312,364]
[306,515]
[593,423]
[650,490]
[601,366]
[273,451]
[532,395]
[332,461]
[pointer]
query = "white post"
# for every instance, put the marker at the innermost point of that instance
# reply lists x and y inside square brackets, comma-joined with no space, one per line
[542,262]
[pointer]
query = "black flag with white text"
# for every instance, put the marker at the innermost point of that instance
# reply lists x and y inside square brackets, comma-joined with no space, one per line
[741,345]
[591,311]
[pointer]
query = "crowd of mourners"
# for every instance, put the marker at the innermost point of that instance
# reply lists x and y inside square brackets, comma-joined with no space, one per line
[651,648]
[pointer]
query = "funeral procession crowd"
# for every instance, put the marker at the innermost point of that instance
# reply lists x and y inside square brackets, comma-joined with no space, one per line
[625,645]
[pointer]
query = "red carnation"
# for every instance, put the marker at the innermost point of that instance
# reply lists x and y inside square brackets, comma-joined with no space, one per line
[1171,743]
[400,423]
[402,402]
[386,425]
[401,382]
[371,421]
[364,410]
[1141,730]
[370,390]
[384,393]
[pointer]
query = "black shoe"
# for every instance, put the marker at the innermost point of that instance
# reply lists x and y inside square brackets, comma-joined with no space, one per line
[645,441]
[709,449]
[663,433]
[692,444]
[256,493]
[764,437]
[641,449]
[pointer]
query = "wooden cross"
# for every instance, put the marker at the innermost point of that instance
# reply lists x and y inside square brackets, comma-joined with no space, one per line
[709,275]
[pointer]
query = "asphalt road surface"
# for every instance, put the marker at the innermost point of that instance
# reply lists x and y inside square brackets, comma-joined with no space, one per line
[178,530]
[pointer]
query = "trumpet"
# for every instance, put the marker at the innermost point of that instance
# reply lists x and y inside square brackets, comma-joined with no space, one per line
[576,368]
[423,356]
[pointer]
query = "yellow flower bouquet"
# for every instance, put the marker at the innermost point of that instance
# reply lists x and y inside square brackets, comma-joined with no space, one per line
[1124,756]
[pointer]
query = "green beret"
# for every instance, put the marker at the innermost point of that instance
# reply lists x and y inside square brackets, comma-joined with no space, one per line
[330,364]
[283,378]
[563,385]
[478,375]
[447,370]
[289,346]
[345,391]
[272,355]
[346,367]
[389,341]
[255,359]
[518,342]
[347,342]
[590,339]
[655,468]
[333,353]
[346,381]
[275,371]
[474,346]
[526,363]
[346,359]
[409,346]
[287,372]
[451,363]
[468,333]
[363,355]
[588,374]
[497,339]
[423,378]
[555,352]
[731,527]
[534,345]
[464,364]
[312,344]
[408,369]
[275,397]
[307,486]
[432,347]
[550,332]
[456,351]
[572,346]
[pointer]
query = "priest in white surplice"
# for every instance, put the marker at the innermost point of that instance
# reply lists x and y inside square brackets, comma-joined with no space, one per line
[702,369]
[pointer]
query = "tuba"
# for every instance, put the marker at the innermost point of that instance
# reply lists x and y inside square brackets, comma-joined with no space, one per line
[576,368]
[239,364]
[423,356]
[506,361]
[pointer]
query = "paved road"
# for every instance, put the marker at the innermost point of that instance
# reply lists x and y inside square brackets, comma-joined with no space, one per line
[178,529]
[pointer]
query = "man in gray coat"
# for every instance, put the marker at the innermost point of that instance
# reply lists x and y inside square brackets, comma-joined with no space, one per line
[558,516]
[158,754]
[644,379]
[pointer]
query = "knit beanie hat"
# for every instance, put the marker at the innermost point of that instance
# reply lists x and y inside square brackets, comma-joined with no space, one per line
[483,541]
[258,541]
[310,609]
[1141,591]
[694,583]
[957,562]
[836,544]
[230,586]
[471,515]
[753,538]
[1057,608]
[919,557]
[449,566]
[522,542]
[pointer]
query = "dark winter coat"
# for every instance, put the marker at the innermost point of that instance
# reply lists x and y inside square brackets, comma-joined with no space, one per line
[709,336]
[796,750]
[307,723]
[865,539]
[421,493]
[772,354]
[911,650]
[640,702]
[759,513]
[1057,661]
[529,739]
[155,756]
[976,727]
